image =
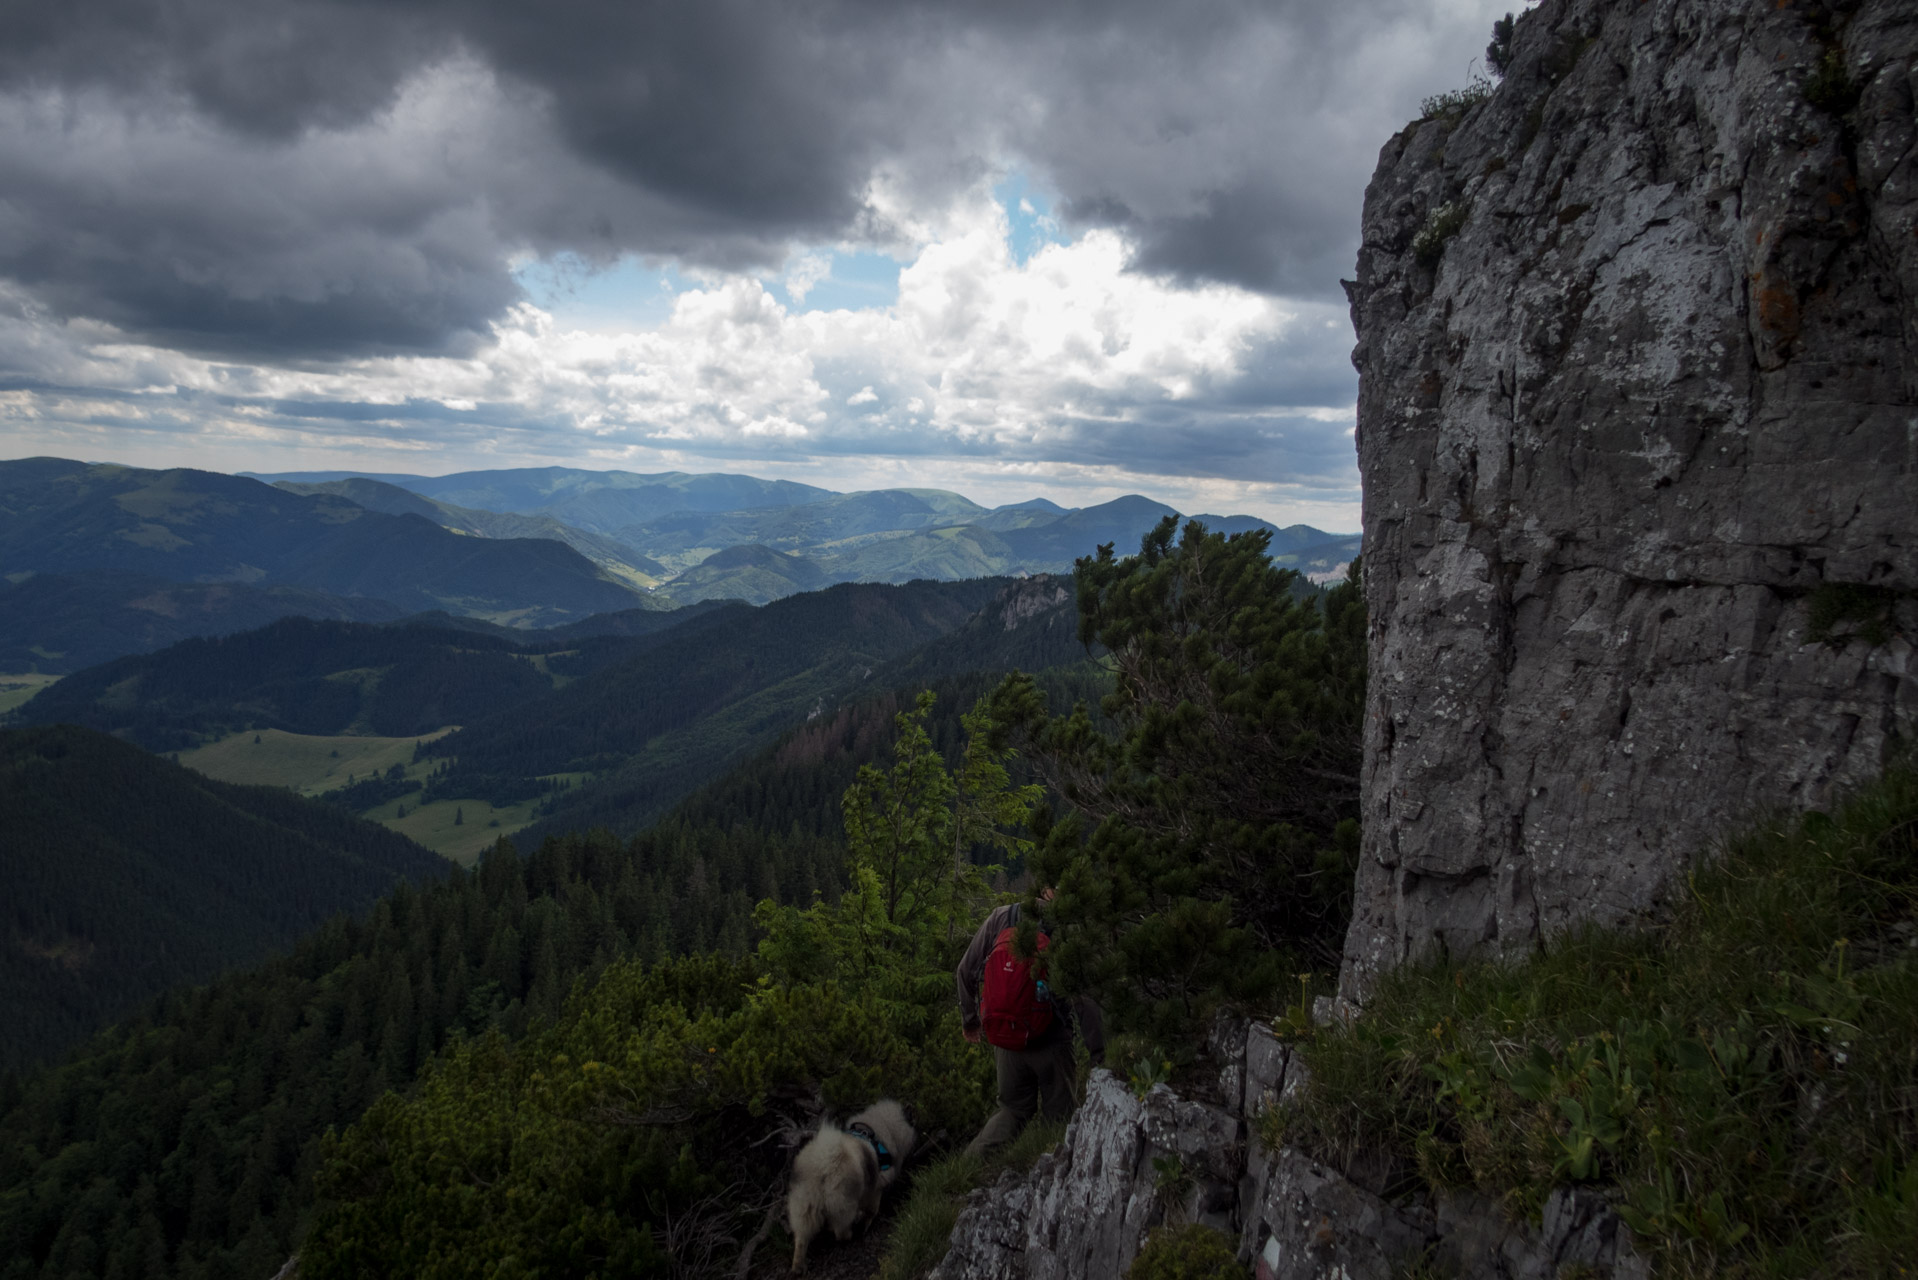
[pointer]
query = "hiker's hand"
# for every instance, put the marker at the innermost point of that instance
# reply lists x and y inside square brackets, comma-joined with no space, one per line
[972,1035]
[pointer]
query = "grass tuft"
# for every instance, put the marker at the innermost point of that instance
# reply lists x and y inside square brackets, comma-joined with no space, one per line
[1745,1075]
[1444,222]
[923,1228]
[1456,102]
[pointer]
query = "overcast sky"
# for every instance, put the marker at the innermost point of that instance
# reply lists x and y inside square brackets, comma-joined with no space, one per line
[1009,248]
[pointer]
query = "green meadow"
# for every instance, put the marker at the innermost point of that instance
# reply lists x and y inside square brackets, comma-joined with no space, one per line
[308,763]
[311,764]
[433,825]
[15,690]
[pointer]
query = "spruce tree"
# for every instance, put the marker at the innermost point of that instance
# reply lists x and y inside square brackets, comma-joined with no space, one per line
[1207,845]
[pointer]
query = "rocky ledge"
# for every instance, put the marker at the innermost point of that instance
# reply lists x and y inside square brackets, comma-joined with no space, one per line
[1129,1163]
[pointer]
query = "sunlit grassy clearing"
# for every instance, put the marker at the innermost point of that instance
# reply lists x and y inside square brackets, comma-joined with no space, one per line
[15,690]
[307,763]
[432,825]
[313,764]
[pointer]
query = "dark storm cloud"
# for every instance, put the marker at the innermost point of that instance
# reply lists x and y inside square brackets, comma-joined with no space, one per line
[269,176]
[266,67]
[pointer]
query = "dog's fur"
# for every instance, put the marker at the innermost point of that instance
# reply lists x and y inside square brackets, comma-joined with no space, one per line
[836,1179]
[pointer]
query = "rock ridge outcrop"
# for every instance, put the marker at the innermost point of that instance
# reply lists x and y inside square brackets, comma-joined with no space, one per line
[1129,1163]
[1638,355]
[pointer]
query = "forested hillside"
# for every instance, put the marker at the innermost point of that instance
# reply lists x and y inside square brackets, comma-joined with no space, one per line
[198,526]
[125,875]
[631,1136]
[622,562]
[737,537]
[704,694]
[192,1132]
[314,677]
[60,623]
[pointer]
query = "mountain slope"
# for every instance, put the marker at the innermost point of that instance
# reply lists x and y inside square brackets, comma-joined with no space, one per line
[956,551]
[182,525]
[1030,625]
[623,563]
[127,874]
[670,529]
[59,623]
[275,1056]
[707,693]
[753,573]
[1052,547]
[312,677]
[598,501]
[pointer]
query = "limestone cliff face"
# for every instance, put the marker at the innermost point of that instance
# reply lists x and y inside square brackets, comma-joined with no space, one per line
[1659,386]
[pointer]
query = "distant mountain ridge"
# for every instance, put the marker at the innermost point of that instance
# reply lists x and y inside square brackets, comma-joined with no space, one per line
[187,526]
[681,525]
[101,560]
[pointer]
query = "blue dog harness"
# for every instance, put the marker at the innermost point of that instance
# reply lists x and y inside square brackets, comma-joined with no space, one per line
[865,1131]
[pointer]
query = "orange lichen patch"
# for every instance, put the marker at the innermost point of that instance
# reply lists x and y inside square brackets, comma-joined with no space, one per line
[1778,310]
[1834,198]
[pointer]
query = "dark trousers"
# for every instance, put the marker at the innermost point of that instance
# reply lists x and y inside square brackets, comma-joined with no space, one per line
[1030,1080]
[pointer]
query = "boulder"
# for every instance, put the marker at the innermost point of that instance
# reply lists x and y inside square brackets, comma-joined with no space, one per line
[1082,1211]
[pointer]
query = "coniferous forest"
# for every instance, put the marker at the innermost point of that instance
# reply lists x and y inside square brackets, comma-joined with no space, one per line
[126,874]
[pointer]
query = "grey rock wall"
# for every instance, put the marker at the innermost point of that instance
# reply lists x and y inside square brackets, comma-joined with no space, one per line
[1083,1210]
[1660,386]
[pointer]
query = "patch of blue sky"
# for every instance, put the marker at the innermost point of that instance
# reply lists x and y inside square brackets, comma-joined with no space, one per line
[628,294]
[1030,223]
[858,281]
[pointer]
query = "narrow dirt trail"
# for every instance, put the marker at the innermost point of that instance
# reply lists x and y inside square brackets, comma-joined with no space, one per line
[856,1259]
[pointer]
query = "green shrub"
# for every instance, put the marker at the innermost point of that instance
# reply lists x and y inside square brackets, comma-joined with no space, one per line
[1498,54]
[1191,1252]
[1746,1075]
[573,1151]
[1830,87]
[1428,246]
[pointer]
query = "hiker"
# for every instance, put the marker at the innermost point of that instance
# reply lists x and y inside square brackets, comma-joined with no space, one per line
[1004,998]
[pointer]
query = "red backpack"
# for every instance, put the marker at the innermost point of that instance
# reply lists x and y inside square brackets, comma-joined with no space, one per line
[1010,1011]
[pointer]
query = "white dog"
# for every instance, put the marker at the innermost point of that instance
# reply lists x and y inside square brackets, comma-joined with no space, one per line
[839,1176]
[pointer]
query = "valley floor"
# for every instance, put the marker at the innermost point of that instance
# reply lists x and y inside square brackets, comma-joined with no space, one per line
[314,764]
